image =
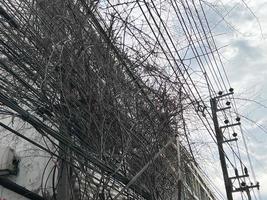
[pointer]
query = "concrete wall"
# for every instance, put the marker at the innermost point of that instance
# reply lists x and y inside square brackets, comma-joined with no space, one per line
[35,165]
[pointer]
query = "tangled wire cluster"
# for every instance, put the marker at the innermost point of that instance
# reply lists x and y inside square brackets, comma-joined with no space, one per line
[92,81]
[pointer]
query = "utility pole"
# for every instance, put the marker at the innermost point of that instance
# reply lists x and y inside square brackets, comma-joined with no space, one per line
[179,184]
[219,138]
[243,187]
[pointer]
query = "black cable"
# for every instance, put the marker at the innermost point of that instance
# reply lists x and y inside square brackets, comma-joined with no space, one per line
[9,19]
[178,68]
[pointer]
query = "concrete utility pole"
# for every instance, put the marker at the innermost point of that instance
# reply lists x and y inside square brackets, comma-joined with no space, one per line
[220,140]
[64,190]
[219,137]
[179,185]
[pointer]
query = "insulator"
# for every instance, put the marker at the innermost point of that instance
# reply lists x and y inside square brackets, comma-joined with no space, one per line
[234,134]
[258,185]
[243,184]
[237,119]
[236,172]
[231,90]
[220,93]
[228,103]
[226,121]
[246,170]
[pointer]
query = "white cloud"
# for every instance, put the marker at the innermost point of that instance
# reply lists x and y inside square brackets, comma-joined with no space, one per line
[246,65]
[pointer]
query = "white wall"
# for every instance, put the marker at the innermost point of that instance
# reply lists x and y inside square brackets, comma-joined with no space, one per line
[32,161]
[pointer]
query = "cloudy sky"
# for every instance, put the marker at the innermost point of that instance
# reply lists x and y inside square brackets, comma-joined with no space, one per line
[245,59]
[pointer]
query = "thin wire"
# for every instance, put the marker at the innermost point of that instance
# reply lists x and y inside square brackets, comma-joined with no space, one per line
[175,61]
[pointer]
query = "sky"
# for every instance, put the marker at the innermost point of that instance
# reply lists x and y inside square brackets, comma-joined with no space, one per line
[243,36]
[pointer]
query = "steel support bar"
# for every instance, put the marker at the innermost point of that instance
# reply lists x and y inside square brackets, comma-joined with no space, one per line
[230,125]
[236,177]
[246,188]
[231,140]
[222,109]
[223,95]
